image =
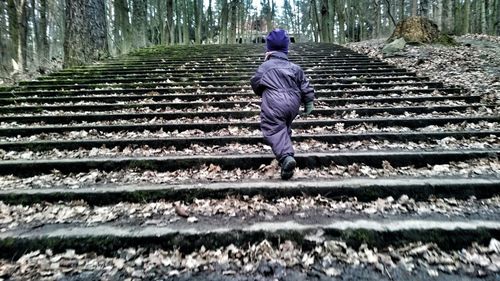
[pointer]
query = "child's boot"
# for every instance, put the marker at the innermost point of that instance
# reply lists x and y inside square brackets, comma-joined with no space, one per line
[287,167]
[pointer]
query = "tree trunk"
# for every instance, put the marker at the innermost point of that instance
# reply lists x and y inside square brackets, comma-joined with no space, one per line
[447,16]
[233,10]
[325,30]
[43,46]
[24,16]
[491,16]
[457,14]
[341,19]
[4,52]
[198,11]
[376,19]
[33,31]
[178,8]
[331,20]
[496,18]
[85,32]
[210,22]
[269,8]
[185,22]
[224,22]
[401,10]
[466,20]
[169,24]
[351,22]
[139,19]
[484,25]
[315,21]
[122,26]
[414,7]
[425,8]
[15,13]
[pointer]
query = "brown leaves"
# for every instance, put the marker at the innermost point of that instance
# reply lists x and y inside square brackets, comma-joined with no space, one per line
[331,257]
[181,210]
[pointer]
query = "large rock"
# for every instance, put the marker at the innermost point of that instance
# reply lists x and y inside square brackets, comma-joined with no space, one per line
[420,30]
[394,47]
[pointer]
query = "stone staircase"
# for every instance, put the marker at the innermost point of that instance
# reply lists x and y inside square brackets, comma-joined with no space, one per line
[89,154]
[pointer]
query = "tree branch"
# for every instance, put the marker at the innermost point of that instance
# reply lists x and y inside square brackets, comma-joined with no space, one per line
[389,12]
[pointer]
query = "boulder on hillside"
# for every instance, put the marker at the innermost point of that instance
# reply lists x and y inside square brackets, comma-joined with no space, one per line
[394,47]
[418,30]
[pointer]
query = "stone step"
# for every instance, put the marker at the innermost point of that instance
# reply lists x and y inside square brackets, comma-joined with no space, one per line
[221,79]
[379,233]
[103,116]
[234,105]
[211,126]
[195,100]
[364,189]
[210,85]
[250,161]
[185,142]
[216,91]
[214,75]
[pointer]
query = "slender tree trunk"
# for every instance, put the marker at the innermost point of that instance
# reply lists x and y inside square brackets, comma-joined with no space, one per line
[24,32]
[178,8]
[185,22]
[121,30]
[210,22]
[198,11]
[496,18]
[269,14]
[376,19]
[85,32]
[491,16]
[341,20]
[233,10]
[331,20]
[447,16]
[15,10]
[401,10]
[44,42]
[224,22]
[4,52]
[33,31]
[484,22]
[414,7]
[350,21]
[439,14]
[169,23]
[466,20]
[324,21]
[425,8]
[315,21]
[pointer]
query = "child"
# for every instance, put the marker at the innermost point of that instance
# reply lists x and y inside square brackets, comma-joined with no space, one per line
[283,87]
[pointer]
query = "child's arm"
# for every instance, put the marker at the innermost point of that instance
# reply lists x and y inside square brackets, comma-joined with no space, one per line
[256,80]
[307,91]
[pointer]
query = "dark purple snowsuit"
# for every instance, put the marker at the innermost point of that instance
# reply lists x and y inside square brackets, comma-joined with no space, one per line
[283,87]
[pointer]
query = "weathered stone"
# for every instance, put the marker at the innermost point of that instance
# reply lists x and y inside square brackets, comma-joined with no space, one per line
[394,47]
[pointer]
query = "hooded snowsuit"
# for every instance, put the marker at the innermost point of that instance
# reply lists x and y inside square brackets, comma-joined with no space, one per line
[283,87]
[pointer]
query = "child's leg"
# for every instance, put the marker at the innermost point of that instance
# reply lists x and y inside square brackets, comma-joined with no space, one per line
[276,124]
[277,134]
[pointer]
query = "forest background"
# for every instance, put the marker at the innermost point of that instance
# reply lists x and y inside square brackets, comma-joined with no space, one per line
[37,36]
